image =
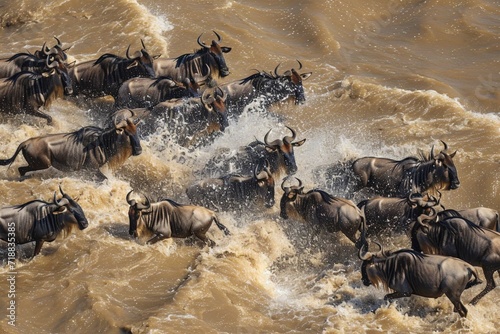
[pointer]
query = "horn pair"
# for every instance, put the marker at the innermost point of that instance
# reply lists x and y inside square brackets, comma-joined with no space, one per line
[276,142]
[285,179]
[63,201]
[276,69]
[140,206]
[203,45]
[365,255]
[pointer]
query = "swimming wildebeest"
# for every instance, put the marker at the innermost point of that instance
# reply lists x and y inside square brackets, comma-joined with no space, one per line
[400,178]
[265,88]
[208,59]
[279,153]
[323,210]
[169,219]
[456,236]
[411,273]
[235,192]
[88,148]
[28,91]
[40,221]
[104,76]
[394,212]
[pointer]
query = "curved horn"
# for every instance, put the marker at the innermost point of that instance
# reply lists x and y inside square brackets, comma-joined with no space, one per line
[129,201]
[52,64]
[222,94]
[364,255]
[218,36]
[43,47]
[282,183]
[422,217]
[445,145]
[143,46]
[256,171]
[201,43]
[300,64]
[144,206]
[300,182]
[61,202]
[127,53]
[432,152]
[276,70]
[62,192]
[59,44]
[381,249]
[292,138]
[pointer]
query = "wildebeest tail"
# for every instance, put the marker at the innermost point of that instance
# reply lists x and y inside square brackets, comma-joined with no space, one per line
[9,161]
[221,226]
[475,281]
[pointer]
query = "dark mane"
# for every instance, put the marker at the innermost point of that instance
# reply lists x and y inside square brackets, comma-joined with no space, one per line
[17,55]
[22,206]
[327,198]
[255,76]
[86,135]
[23,76]
[171,201]
[105,56]
[187,57]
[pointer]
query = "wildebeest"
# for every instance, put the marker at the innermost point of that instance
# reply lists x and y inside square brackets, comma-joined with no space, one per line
[36,62]
[88,148]
[456,236]
[279,153]
[147,92]
[104,76]
[235,192]
[28,91]
[189,121]
[323,210]
[481,216]
[40,221]
[399,178]
[411,273]
[169,219]
[265,88]
[395,213]
[189,65]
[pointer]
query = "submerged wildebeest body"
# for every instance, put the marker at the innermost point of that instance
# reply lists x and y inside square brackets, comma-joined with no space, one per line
[189,121]
[279,153]
[395,213]
[235,192]
[40,221]
[400,178]
[88,148]
[323,210]
[411,273]
[28,91]
[484,217]
[104,76]
[208,59]
[266,89]
[458,237]
[169,219]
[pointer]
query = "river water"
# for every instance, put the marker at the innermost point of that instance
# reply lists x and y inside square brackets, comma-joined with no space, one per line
[389,78]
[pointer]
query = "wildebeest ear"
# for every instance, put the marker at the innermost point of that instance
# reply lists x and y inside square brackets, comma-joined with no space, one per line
[226,49]
[304,76]
[299,143]
[133,64]
[59,210]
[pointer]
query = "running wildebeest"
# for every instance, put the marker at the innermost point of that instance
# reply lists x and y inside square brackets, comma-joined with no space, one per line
[40,221]
[104,76]
[28,91]
[88,148]
[456,236]
[190,65]
[189,121]
[168,219]
[265,88]
[394,212]
[323,210]
[279,153]
[481,216]
[408,272]
[235,192]
[399,178]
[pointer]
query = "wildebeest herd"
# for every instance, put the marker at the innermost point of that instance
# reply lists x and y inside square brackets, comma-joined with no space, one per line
[181,95]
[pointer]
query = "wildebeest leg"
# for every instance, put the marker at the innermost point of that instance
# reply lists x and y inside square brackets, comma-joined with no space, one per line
[38,247]
[35,163]
[155,239]
[490,285]
[37,112]
[203,237]
[459,307]
[396,294]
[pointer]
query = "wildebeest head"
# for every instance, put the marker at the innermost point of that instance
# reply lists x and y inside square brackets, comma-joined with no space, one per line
[445,172]
[290,194]
[142,63]
[284,150]
[56,51]
[60,68]
[265,182]
[292,82]
[135,211]
[130,129]
[424,203]
[217,52]
[75,210]
[369,259]
[214,100]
